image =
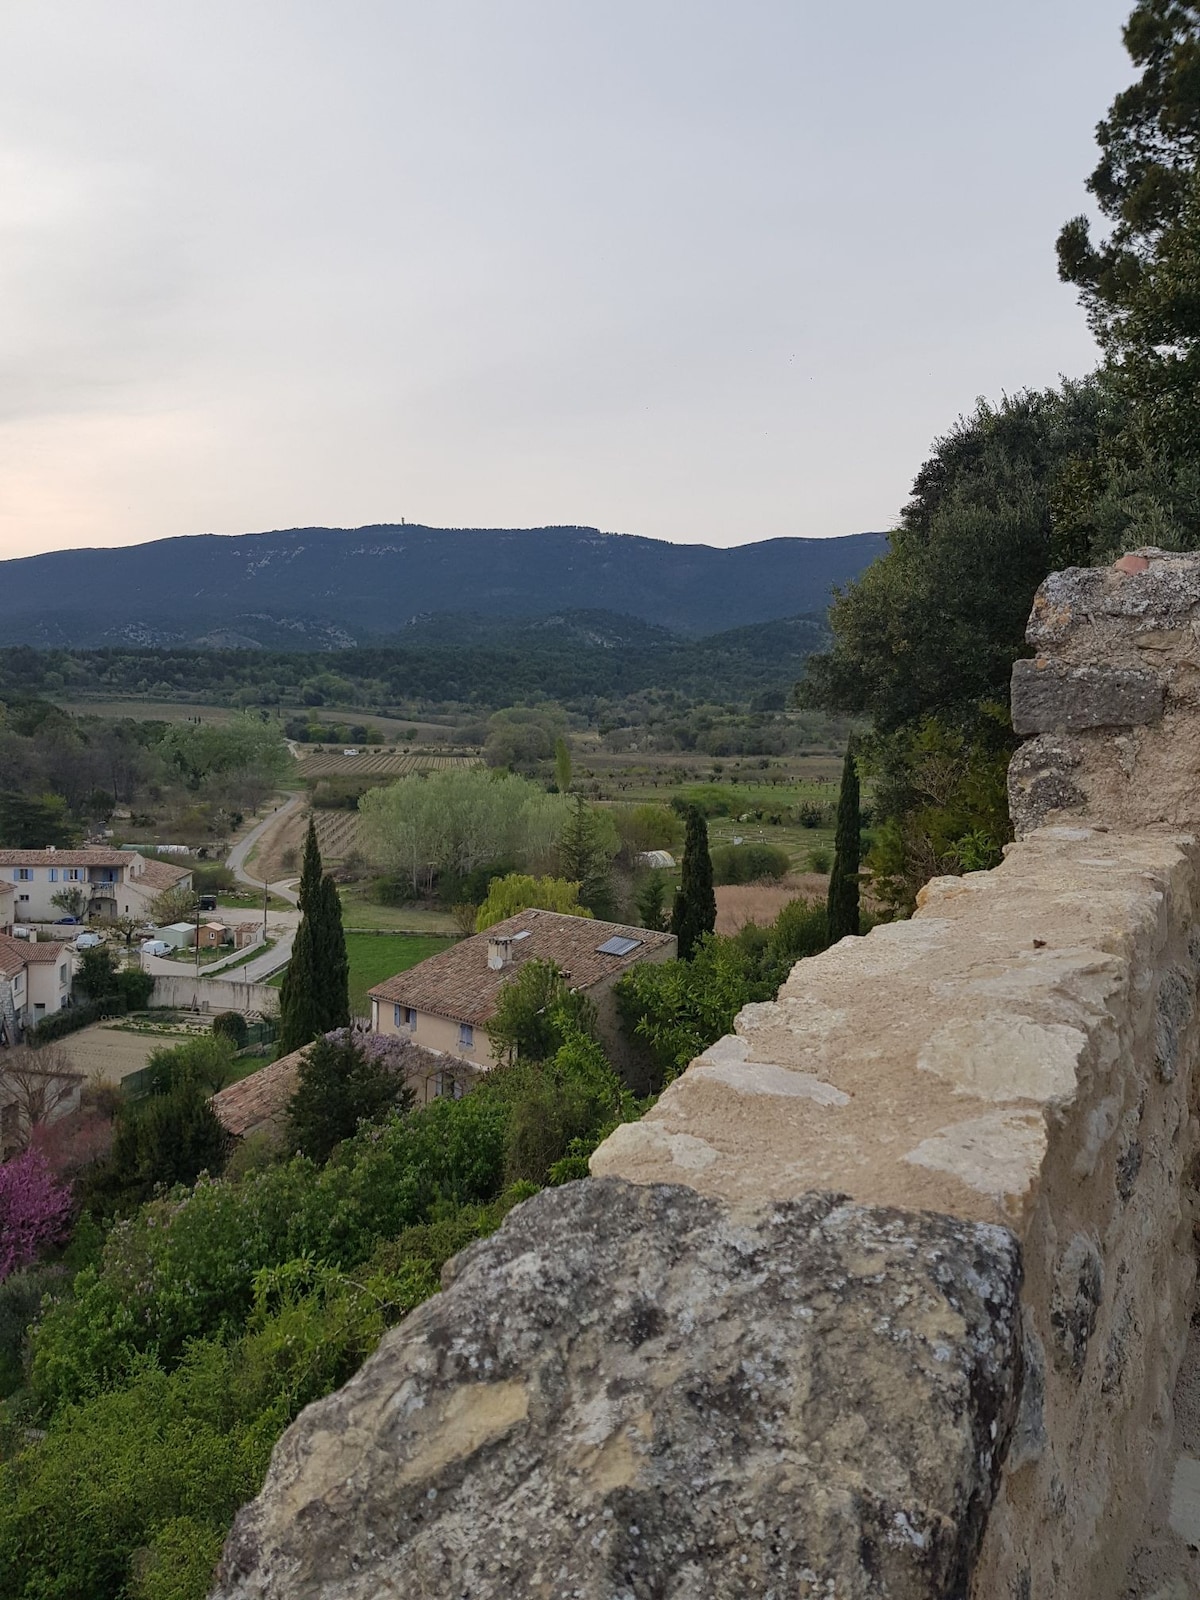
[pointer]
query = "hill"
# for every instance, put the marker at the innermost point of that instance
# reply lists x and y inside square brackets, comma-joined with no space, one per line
[305,589]
[463,659]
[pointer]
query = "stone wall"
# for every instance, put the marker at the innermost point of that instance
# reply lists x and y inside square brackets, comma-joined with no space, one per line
[887,1295]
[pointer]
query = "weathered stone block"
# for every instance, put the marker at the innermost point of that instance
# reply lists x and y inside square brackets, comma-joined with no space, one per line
[1042,782]
[636,1391]
[1047,697]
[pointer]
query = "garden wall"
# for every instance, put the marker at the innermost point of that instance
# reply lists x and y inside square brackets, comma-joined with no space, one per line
[887,1295]
[215,994]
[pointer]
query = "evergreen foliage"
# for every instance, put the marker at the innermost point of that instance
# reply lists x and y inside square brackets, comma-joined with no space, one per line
[695,910]
[315,994]
[842,904]
[341,1085]
[585,850]
[536,1011]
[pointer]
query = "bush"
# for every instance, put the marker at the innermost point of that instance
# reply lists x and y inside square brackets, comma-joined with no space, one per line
[134,988]
[748,863]
[819,858]
[231,1025]
[213,877]
[57,1024]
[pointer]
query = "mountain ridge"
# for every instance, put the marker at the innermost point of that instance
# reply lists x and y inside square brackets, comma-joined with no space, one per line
[326,588]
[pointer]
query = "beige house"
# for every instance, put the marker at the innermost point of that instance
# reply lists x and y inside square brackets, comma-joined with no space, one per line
[38,978]
[445,1003]
[8,899]
[117,882]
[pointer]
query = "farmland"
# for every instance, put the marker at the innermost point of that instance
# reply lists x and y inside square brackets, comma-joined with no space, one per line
[372,762]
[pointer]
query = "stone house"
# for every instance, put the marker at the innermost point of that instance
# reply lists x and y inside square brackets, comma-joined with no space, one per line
[117,882]
[446,1002]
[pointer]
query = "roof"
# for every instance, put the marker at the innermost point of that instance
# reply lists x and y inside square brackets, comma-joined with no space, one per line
[47,952]
[458,983]
[259,1100]
[96,855]
[160,875]
[14,955]
[258,1104]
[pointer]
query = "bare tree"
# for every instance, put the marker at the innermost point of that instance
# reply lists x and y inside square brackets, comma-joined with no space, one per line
[73,901]
[37,1083]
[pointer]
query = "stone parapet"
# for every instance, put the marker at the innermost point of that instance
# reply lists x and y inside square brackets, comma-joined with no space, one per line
[1112,696]
[887,1294]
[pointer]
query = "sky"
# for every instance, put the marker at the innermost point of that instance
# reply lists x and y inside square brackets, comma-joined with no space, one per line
[708,272]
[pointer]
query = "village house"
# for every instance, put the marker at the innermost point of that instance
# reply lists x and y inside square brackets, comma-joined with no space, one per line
[446,1002]
[8,899]
[117,882]
[35,979]
[257,1105]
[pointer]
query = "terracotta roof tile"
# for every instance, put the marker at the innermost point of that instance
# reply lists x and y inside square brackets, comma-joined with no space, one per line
[160,875]
[458,983]
[44,951]
[99,855]
[18,953]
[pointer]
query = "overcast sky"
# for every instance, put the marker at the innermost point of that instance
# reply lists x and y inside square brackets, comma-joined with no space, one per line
[705,271]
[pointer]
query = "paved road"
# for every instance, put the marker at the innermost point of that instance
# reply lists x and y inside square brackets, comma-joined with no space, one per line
[281,924]
[236,859]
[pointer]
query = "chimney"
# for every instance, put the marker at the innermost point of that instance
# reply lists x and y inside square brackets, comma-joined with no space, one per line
[50,849]
[499,953]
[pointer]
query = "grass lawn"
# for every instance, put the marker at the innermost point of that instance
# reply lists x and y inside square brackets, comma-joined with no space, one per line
[360,913]
[376,956]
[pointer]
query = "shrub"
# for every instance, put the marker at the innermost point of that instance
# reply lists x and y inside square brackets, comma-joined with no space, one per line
[35,1210]
[748,863]
[134,988]
[57,1024]
[819,858]
[213,877]
[231,1025]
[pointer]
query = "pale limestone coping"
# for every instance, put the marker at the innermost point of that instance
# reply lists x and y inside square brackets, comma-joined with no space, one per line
[927,1064]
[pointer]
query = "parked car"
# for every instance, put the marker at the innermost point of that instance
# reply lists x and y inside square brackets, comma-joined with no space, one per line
[155,947]
[67,922]
[207,902]
[349,752]
[87,941]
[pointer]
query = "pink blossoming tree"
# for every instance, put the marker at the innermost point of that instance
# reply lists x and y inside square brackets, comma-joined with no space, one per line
[35,1210]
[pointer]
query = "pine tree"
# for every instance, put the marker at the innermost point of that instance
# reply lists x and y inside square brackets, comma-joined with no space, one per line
[842,906]
[582,859]
[695,909]
[315,996]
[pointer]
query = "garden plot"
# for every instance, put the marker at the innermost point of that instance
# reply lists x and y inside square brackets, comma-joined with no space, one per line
[375,763]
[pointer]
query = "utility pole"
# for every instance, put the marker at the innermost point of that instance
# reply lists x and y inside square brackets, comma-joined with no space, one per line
[266,897]
[197,938]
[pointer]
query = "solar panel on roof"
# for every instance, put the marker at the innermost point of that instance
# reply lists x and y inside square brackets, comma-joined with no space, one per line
[617,946]
[524,934]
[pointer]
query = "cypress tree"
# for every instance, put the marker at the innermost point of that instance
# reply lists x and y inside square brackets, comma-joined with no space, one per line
[314,998]
[842,906]
[334,962]
[695,909]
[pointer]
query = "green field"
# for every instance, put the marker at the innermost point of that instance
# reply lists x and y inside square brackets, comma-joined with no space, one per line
[376,956]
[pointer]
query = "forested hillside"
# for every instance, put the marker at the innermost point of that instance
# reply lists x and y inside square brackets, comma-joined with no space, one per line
[320,588]
[573,657]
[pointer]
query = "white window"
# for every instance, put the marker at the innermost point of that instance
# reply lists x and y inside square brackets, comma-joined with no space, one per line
[53,874]
[74,874]
[23,875]
[466,1036]
[23,898]
[447,1087]
[405,1017]
[62,973]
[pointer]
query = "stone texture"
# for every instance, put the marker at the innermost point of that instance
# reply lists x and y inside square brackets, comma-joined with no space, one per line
[638,1392]
[1116,650]
[1047,698]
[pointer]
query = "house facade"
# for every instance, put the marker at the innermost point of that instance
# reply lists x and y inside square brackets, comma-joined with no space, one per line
[35,979]
[446,1002]
[116,882]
